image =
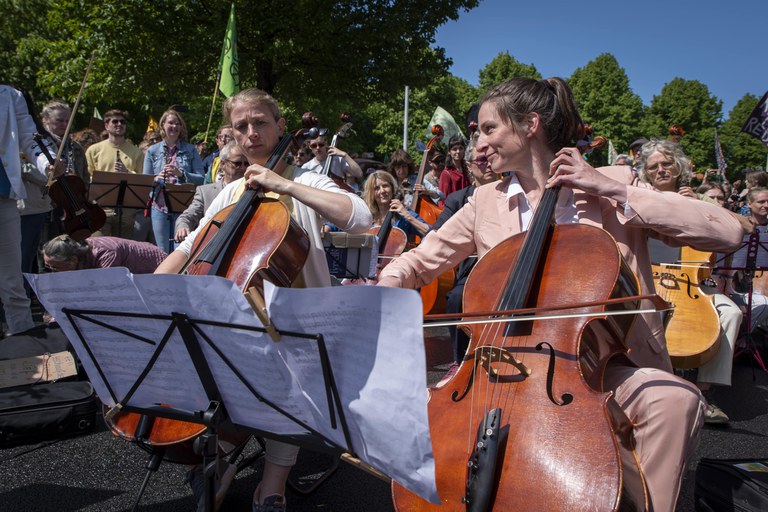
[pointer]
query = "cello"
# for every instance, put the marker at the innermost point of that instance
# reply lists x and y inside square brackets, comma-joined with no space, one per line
[433,294]
[342,131]
[251,240]
[390,240]
[525,424]
[693,329]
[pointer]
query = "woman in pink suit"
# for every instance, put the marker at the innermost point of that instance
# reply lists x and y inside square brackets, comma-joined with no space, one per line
[530,127]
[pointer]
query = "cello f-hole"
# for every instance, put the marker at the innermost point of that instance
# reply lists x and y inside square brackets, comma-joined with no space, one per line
[565,398]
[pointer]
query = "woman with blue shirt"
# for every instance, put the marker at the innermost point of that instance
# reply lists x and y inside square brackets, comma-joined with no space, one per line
[173,160]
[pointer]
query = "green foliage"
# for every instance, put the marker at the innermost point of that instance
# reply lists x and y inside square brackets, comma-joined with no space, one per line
[154,54]
[607,103]
[452,94]
[742,151]
[502,68]
[687,103]
[326,56]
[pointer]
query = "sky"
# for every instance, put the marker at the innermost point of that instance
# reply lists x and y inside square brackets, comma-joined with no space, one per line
[718,43]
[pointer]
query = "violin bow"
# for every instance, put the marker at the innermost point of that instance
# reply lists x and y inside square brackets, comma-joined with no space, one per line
[72,117]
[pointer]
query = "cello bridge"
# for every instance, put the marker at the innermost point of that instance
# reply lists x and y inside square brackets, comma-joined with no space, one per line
[485,356]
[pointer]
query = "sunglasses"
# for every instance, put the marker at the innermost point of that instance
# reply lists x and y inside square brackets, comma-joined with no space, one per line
[317,145]
[154,140]
[117,121]
[239,163]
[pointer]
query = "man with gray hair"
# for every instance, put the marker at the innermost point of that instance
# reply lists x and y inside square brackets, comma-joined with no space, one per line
[233,165]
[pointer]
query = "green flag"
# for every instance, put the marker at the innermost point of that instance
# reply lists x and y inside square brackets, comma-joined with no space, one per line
[444,119]
[229,83]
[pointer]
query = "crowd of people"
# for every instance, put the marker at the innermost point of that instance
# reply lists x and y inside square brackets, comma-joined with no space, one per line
[488,189]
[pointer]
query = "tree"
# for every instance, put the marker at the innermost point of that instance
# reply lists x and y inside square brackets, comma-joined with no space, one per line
[687,103]
[154,54]
[606,102]
[502,68]
[451,93]
[742,151]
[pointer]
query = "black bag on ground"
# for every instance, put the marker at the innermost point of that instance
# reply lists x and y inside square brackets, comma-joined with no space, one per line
[36,412]
[731,485]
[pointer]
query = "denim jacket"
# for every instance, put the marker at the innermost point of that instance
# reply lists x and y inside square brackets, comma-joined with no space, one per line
[187,159]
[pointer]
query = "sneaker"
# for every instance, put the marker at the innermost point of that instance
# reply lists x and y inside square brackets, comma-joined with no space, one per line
[196,481]
[274,503]
[713,415]
[448,376]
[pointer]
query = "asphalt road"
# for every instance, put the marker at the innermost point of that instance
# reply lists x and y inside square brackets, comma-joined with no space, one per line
[100,472]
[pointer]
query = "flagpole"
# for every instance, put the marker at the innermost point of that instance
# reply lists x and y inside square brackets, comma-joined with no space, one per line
[213,104]
[405,122]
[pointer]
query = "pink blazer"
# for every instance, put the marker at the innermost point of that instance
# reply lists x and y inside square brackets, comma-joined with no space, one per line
[490,217]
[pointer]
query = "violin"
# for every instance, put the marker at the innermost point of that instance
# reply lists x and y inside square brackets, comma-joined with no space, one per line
[254,239]
[81,217]
[342,131]
[525,423]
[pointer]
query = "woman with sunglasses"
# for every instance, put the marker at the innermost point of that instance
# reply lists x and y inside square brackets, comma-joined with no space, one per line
[172,160]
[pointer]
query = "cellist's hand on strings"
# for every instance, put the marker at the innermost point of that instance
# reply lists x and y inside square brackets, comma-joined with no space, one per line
[570,170]
[397,206]
[334,151]
[257,177]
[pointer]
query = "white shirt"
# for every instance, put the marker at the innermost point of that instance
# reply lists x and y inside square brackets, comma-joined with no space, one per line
[565,210]
[315,271]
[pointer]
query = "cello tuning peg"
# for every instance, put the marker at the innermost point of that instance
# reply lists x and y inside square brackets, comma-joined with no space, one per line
[308,120]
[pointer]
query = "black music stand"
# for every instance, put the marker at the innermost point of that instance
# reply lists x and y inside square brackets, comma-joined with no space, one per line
[177,196]
[120,190]
[194,339]
[750,257]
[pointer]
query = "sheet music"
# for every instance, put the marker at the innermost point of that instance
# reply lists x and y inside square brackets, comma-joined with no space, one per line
[121,357]
[375,342]
[739,257]
[373,334]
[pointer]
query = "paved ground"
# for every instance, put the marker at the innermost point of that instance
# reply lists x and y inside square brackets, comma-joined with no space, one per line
[99,472]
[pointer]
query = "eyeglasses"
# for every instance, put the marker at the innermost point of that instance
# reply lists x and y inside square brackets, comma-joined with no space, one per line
[117,121]
[226,138]
[480,162]
[317,145]
[154,140]
[666,165]
[239,163]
